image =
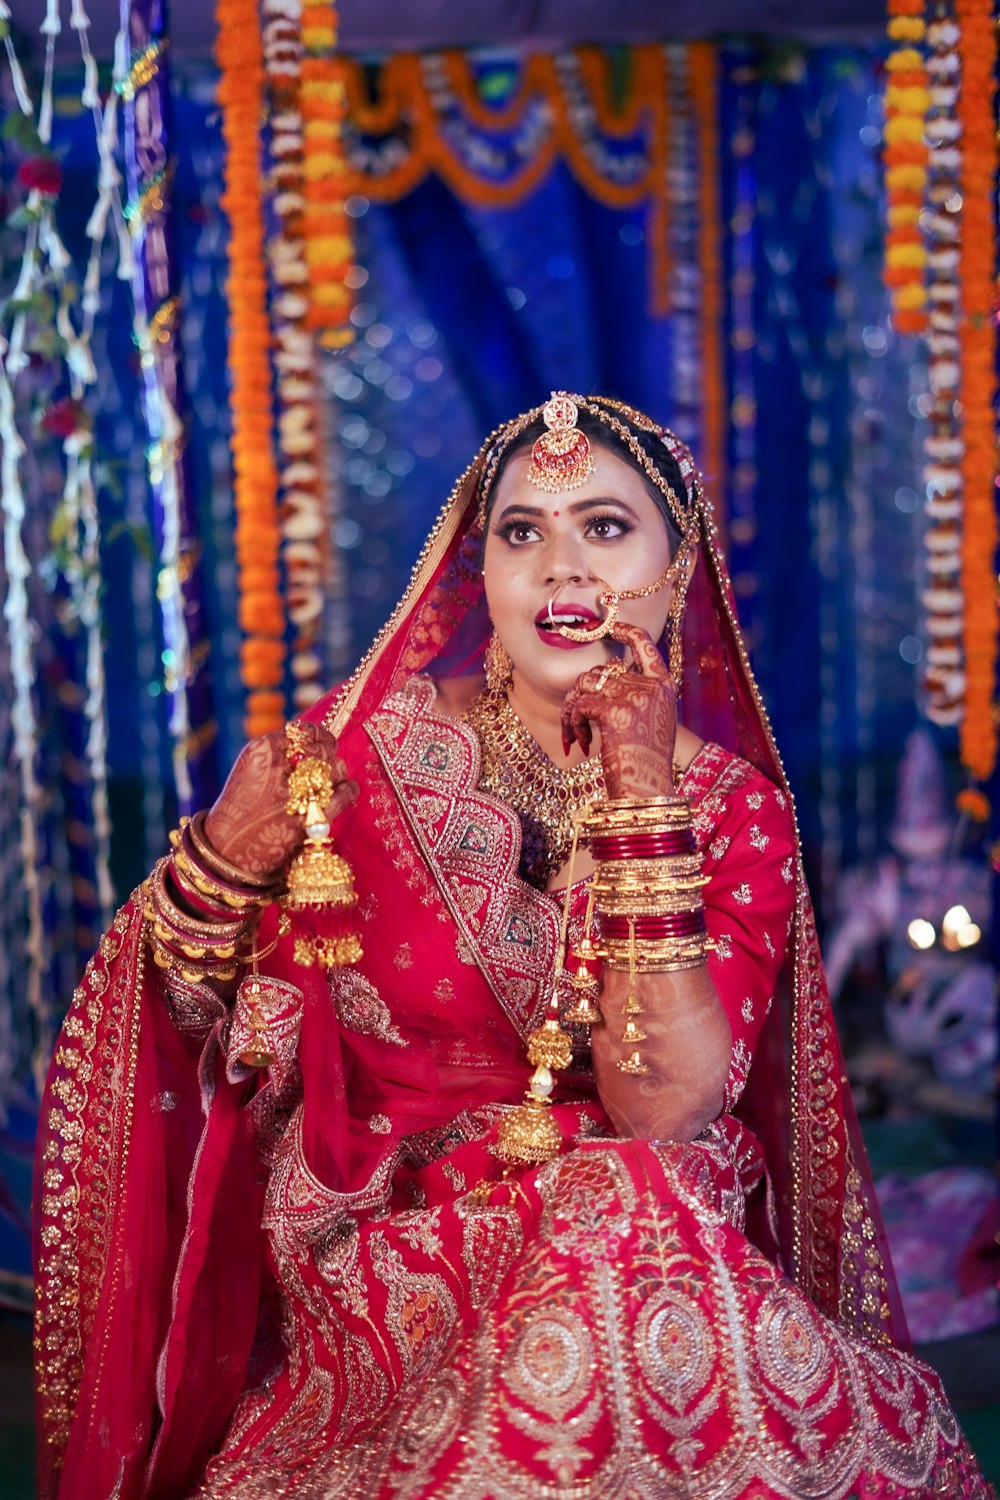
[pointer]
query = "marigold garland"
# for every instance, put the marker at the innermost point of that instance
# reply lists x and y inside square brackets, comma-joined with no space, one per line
[704,97]
[974,804]
[461,80]
[325,226]
[560,108]
[261,613]
[905,156]
[977,272]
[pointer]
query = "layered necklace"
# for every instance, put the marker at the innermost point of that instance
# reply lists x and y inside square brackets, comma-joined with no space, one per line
[517,771]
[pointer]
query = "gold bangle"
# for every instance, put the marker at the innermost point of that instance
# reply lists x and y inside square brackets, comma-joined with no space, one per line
[600,821]
[193,974]
[193,878]
[665,800]
[683,887]
[196,888]
[654,957]
[189,926]
[689,879]
[638,909]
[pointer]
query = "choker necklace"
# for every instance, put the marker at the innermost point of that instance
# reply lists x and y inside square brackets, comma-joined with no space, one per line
[517,771]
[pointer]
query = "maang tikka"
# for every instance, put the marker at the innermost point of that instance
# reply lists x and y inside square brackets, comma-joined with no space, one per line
[561,458]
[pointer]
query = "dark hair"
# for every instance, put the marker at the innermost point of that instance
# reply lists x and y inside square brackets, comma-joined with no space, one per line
[599,432]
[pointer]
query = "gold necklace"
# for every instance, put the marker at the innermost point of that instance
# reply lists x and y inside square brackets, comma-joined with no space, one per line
[517,770]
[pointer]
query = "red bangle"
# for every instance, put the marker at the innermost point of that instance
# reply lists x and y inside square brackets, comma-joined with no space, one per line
[643,846]
[685,924]
[187,893]
[247,892]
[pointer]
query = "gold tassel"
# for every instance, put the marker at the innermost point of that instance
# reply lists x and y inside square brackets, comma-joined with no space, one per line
[528,1135]
[319,879]
[584,983]
[632,1035]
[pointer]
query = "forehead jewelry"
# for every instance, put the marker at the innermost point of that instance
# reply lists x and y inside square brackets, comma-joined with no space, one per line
[610,600]
[561,458]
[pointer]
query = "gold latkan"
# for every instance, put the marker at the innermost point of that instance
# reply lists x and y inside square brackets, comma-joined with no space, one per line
[256,1054]
[319,879]
[318,875]
[528,1135]
[632,1062]
[584,983]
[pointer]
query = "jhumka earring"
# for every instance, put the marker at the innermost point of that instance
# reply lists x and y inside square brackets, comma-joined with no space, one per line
[497,665]
[561,458]
[320,881]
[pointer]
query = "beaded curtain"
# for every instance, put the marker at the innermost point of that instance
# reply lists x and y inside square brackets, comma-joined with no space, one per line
[464,315]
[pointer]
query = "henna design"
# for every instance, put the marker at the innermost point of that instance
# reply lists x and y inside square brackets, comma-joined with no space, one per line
[248,824]
[636,715]
[688,1047]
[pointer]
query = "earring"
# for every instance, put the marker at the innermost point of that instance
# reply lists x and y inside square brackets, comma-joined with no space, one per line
[497,665]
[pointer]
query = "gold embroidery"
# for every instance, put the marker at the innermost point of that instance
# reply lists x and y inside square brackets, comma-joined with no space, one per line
[360,1006]
[99,1048]
[472,848]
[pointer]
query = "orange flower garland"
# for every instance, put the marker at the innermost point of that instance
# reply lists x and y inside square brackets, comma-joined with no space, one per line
[974,804]
[462,83]
[715,404]
[326,228]
[905,155]
[977,47]
[261,616]
[414,91]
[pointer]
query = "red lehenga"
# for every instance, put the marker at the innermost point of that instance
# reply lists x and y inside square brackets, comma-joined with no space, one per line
[315,1281]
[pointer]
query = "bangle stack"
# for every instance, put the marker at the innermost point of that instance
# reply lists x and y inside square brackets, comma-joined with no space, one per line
[647,889]
[647,884]
[200,909]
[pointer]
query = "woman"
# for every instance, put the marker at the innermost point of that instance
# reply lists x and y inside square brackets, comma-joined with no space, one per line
[329,1231]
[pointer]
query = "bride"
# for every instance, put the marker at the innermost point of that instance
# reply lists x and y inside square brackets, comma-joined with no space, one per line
[533,1172]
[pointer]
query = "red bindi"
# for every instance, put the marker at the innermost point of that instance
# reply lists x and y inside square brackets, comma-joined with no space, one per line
[555,512]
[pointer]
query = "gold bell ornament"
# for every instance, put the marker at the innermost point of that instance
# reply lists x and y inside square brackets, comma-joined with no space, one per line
[528,1135]
[583,983]
[320,885]
[631,1060]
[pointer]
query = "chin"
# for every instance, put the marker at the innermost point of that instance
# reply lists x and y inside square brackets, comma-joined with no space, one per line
[549,671]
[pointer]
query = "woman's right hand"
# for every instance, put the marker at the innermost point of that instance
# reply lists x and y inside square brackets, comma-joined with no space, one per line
[248,825]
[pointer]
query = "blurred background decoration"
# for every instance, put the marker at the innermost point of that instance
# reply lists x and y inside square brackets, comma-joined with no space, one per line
[269,275]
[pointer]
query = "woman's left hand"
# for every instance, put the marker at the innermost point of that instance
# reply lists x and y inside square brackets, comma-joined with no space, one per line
[635,712]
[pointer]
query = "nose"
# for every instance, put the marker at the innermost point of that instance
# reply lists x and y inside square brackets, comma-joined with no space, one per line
[563,563]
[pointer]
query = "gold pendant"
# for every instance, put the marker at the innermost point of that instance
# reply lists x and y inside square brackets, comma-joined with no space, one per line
[256,1051]
[633,1065]
[319,876]
[584,984]
[528,1135]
